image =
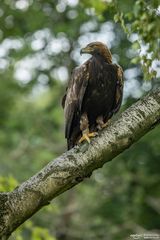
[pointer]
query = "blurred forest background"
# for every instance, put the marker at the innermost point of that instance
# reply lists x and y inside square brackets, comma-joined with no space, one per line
[39,45]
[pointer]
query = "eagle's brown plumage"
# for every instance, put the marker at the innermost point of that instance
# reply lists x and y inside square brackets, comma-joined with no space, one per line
[93,95]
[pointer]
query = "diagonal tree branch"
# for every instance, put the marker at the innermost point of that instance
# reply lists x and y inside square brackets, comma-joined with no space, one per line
[73,166]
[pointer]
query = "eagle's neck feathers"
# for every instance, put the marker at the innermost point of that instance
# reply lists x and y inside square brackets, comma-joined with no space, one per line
[104,55]
[108,57]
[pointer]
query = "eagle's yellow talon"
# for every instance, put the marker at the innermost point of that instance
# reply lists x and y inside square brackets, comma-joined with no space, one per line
[87,136]
[92,134]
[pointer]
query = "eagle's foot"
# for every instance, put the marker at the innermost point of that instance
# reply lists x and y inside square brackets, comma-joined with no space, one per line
[87,136]
[84,127]
[101,124]
[106,123]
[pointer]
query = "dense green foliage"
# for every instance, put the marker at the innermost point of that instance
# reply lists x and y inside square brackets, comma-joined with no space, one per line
[40,42]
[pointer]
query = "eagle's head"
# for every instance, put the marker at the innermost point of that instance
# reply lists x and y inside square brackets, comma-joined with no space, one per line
[98,49]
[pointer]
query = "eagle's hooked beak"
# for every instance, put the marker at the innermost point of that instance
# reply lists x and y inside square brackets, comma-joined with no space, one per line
[86,50]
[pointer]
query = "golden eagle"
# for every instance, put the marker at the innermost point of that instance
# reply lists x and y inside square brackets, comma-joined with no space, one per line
[93,95]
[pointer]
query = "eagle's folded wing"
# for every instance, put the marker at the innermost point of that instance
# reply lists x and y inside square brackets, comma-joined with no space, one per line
[73,98]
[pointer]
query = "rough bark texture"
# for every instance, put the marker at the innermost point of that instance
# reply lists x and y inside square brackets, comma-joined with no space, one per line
[73,166]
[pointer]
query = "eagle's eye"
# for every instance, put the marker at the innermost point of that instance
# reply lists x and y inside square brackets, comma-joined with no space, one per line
[96,49]
[93,46]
